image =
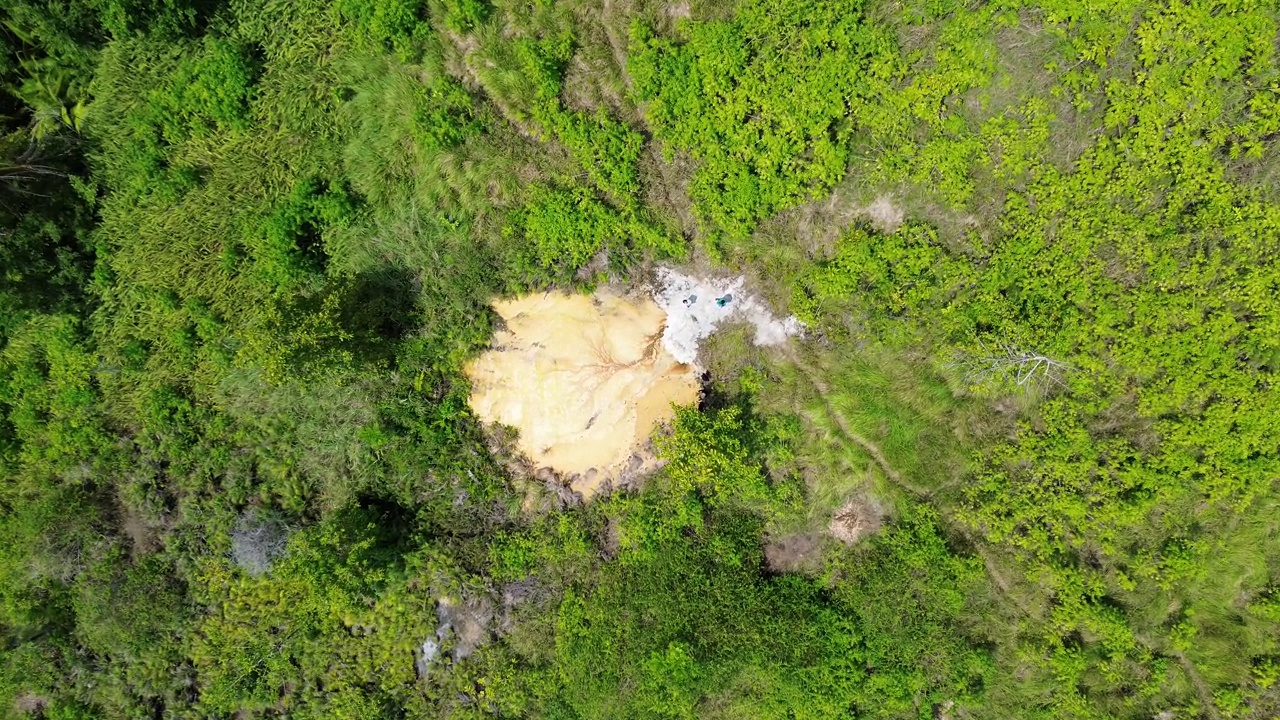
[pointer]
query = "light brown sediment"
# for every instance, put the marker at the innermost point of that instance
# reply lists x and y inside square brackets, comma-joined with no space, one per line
[584,379]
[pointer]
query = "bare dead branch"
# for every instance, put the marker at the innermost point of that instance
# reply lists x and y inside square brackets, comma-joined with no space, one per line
[1007,364]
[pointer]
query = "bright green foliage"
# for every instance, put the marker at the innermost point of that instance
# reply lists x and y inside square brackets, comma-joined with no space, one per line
[445,118]
[682,623]
[398,25]
[211,92]
[890,273]
[669,683]
[47,390]
[299,338]
[564,229]
[605,148]
[765,102]
[464,15]
[556,541]
[541,60]
[709,453]
[1142,271]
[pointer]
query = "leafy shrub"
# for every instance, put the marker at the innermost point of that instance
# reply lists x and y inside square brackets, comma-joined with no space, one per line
[541,61]
[888,274]
[564,229]
[907,590]
[465,15]
[300,337]
[288,248]
[130,610]
[764,101]
[210,92]
[163,18]
[681,626]
[604,147]
[48,391]
[710,453]
[398,25]
[444,116]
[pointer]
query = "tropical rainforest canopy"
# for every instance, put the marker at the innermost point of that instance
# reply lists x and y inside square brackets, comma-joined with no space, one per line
[1023,462]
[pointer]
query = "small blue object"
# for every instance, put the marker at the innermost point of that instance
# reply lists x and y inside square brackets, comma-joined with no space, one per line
[723,300]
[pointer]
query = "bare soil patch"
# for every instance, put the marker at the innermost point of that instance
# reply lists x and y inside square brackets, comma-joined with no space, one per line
[584,379]
[794,553]
[855,520]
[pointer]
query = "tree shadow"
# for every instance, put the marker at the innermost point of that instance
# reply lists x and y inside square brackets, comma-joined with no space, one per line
[379,308]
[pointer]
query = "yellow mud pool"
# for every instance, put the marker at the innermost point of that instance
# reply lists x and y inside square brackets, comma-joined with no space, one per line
[584,378]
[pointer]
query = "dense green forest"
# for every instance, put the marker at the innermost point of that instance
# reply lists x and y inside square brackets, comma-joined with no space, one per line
[248,246]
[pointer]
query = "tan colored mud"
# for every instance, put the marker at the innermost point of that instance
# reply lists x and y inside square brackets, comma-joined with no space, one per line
[858,518]
[584,378]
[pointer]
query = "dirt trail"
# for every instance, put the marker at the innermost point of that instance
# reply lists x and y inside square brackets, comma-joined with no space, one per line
[841,423]
[1203,691]
[814,379]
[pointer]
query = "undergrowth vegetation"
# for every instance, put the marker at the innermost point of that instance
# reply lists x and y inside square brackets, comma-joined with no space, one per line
[1022,464]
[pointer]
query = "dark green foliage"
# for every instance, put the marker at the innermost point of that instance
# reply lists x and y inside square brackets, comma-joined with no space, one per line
[45,531]
[49,47]
[320,585]
[688,627]
[45,258]
[164,18]
[130,611]
[679,627]
[63,29]
[907,591]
